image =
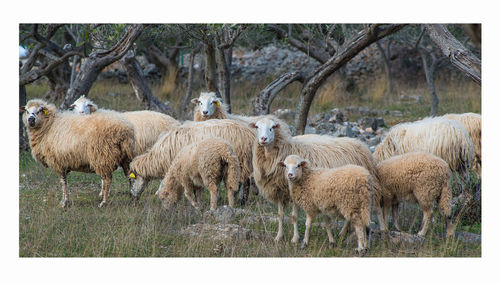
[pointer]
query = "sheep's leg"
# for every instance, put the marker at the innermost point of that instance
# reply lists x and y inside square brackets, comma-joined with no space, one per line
[345,228]
[198,192]
[281,213]
[305,242]
[361,235]
[230,197]
[425,222]
[395,216]
[381,220]
[188,189]
[106,185]
[65,196]
[331,242]
[295,217]
[212,187]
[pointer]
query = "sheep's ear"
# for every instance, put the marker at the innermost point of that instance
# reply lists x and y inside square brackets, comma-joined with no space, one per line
[218,102]
[303,163]
[282,164]
[252,125]
[22,109]
[92,108]
[72,107]
[195,101]
[276,126]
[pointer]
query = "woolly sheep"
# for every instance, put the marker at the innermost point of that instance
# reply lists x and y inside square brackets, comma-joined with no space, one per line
[67,142]
[148,125]
[206,163]
[472,123]
[344,190]
[444,138]
[417,177]
[155,162]
[209,106]
[274,144]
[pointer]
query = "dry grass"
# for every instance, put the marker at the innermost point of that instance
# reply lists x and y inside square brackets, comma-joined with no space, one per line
[145,230]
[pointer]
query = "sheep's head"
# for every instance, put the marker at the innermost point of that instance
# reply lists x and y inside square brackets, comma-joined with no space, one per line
[294,165]
[36,112]
[207,103]
[265,130]
[83,106]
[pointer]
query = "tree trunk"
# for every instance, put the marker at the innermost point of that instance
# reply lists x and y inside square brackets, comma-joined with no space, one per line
[459,56]
[386,59]
[347,51]
[93,65]
[210,73]
[140,86]
[262,102]
[224,74]
[429,71]
[23,138]
[59,80]
[189,90]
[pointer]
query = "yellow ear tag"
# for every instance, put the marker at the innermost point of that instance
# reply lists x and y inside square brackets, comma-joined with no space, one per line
[44,112]
[132,175]
[217,103]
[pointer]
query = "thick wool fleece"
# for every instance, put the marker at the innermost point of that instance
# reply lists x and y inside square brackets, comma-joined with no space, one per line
[206,163]
[445,138]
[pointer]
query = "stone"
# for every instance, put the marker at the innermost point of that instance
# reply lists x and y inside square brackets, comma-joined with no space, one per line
[221,232]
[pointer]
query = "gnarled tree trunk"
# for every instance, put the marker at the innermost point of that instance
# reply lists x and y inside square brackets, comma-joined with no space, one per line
[189,90]
[262,102]
[346,52]
[93,65]
[140,85]
[460,57]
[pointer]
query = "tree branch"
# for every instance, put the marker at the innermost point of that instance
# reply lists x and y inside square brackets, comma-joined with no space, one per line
[459,56]
[34,75]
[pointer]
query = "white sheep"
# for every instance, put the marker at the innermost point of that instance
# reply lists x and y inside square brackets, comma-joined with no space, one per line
[472,123]
[155,162]
[203,164]
[148,125]
[209,106]
[417,177]
[67,142]
[345,190]
[274,144]
[444,138]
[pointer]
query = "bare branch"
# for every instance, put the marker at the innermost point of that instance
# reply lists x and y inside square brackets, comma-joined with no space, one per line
[34,75]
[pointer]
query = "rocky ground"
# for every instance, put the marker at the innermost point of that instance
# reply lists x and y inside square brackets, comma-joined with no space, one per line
[229,223]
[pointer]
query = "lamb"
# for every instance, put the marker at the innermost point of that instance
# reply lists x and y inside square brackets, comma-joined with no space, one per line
[345,190]
[206,163]
[209,106]
[148,125]
[444,138]
[67,142]
[418,177]
[155,162]
[472,123]
[274,144]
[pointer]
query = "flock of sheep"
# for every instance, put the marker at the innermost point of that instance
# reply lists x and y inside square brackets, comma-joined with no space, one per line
[321,174]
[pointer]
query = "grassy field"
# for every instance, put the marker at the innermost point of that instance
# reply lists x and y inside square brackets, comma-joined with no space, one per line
[144,230]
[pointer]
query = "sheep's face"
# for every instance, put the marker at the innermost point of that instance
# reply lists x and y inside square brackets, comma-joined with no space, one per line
[34,116]
[265,130]
[207,103]
[293,165]
[83,106]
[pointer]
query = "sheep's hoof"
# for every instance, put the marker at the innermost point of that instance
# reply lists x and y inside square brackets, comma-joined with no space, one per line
[362,252]
[331,245]
[103,203]
[278,238]
[303,245]
[64,203]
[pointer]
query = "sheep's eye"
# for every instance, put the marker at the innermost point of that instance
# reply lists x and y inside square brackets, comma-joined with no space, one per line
[298,166]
